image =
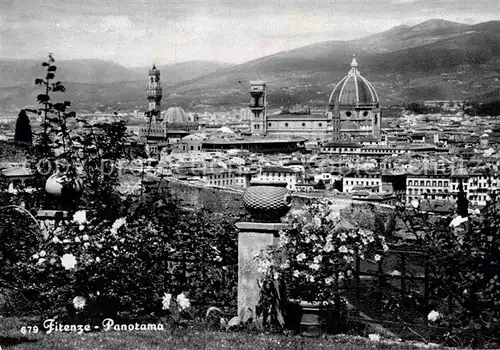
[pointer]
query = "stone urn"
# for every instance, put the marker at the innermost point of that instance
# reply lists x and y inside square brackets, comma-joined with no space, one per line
[57,187]
[267,201]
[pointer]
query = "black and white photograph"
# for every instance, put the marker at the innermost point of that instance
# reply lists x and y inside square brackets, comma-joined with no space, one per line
[283,174]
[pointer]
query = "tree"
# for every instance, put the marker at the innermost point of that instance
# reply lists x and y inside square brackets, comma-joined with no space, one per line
[23,128]
[462,203]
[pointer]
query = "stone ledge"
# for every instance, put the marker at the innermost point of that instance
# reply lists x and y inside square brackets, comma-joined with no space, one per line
[264,227]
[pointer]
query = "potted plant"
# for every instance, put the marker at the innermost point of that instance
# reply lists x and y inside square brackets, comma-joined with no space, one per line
[314,257]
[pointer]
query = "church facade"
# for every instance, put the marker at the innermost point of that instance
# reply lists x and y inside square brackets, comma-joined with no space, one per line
[353,112]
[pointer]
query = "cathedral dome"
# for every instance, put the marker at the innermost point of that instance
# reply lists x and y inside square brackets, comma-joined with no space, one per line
[175,115]
[354,90]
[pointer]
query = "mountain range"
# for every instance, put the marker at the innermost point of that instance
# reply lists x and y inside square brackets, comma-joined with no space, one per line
[436,59]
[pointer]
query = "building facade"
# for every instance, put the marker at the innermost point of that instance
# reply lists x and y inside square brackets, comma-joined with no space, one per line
[353,112]
[354,107]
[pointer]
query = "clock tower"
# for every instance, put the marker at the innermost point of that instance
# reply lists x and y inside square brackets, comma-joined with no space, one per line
[154,90]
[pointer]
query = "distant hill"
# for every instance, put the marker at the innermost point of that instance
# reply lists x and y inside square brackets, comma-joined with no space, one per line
[88,71]
[178,72]
[435,59]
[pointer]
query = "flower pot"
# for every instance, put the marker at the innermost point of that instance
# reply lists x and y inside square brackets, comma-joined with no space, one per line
[267,201]
[315,318]
[311,320]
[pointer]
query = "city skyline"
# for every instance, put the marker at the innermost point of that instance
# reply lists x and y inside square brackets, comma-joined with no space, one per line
[136,33]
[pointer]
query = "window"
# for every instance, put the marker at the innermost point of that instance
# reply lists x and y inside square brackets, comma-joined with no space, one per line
[303,124]
[269,124]
[320,125]
[410,183]
[286,124]
[433,183]
[365,113]
[348,114]
[440,183]
[421,182]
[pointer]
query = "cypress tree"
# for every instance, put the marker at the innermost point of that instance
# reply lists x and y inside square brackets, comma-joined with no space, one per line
[23,128]
[462,203]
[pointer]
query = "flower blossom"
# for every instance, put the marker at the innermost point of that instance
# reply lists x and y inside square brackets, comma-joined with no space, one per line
[328,247]
[80,217]
[328,280]
[377,257]
[68,261]
[117,224]
[79,302]
[183,302]
[415,203]
[85,237]
[264,266]
[296,273]
[458,221]
[314,266]
[374,337]
[301,257]
[167,298]
[433,316]
[343,249]
[318,258]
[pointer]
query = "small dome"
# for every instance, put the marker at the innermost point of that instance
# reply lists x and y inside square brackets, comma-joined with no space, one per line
[225,129]
[354,90]
[175,115]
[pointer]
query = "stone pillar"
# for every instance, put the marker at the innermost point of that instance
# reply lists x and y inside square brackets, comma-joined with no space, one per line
[267,202]
[253,237]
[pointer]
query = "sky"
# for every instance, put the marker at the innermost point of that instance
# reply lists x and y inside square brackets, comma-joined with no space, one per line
[139,32]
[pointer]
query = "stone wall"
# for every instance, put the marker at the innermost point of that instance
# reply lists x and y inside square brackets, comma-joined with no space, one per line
[225,200]
[215,199]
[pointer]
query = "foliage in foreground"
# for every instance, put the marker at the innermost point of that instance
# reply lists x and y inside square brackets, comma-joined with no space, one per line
[119,253]
[464,262]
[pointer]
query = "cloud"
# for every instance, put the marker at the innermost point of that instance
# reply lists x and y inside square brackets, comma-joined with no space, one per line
[138,32]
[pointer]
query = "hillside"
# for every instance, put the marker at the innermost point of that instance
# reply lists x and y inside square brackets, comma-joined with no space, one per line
[436,59]
[462,62]
[183,71]
[21,72]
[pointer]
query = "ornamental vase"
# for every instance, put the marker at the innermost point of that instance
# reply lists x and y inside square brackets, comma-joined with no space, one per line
[57,187]
[267,201]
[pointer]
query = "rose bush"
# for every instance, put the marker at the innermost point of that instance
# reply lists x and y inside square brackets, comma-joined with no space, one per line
[317,251]
[122,268]
[312,261]
[464,266]
[119,251]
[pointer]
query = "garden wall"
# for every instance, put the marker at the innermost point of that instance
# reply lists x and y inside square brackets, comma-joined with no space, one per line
[227,200]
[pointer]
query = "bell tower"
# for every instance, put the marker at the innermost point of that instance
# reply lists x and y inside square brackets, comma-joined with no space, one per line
[257,106]
[154,91]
